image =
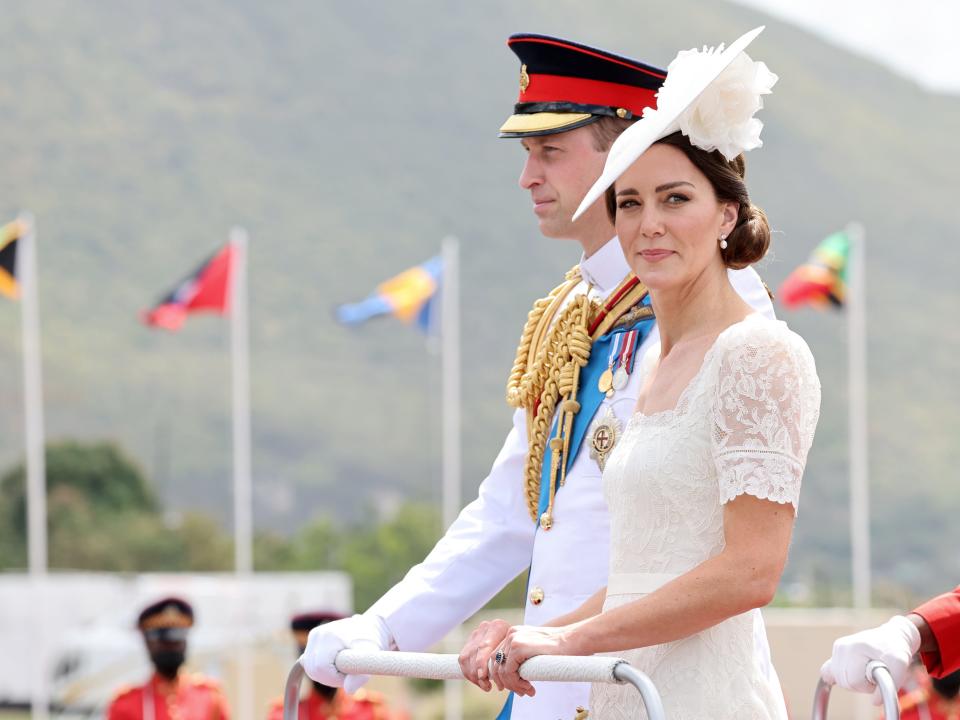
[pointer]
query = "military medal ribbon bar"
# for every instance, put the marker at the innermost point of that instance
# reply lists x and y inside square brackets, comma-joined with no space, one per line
[605,382]
[624,362]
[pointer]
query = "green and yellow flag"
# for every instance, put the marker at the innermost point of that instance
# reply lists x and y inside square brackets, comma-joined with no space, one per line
[822,280]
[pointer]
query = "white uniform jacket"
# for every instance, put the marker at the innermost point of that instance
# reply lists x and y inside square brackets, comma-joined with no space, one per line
[493,540]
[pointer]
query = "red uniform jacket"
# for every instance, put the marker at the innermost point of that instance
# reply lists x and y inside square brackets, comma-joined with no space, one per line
[942,614]
[189,697]
[362,705]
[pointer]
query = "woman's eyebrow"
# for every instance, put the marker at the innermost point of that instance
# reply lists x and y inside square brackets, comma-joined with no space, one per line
[671,185]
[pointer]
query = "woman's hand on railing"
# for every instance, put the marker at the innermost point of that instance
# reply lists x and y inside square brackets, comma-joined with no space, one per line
[478,652]
[521,643]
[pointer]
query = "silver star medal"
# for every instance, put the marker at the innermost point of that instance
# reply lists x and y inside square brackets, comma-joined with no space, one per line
[604,434]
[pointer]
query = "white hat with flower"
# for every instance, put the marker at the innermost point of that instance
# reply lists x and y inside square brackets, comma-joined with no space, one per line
[710,95]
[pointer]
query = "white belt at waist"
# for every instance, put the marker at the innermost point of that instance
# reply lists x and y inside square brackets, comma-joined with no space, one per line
[637,583]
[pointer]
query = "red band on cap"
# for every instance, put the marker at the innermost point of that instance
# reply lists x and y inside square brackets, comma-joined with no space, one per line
[557,88]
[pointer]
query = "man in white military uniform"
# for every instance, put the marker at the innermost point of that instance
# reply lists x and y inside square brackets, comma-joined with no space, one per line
[542,507]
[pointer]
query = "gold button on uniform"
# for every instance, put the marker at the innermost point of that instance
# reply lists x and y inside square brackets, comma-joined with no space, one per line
[536,596]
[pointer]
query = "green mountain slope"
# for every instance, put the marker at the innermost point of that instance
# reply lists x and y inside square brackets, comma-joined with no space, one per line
[348,138]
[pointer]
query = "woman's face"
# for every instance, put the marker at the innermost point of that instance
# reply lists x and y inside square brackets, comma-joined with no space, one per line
[669,220]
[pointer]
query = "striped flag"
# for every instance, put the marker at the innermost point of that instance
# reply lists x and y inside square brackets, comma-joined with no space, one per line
[206,289]
[822,280]
[410,296]
[9,239]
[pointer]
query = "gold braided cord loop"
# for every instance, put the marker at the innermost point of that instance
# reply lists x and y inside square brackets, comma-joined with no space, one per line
[565,350]
[526,380]
[520,363]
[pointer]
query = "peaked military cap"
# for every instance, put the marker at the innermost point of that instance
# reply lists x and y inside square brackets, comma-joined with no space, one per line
[565,85]
[171,612]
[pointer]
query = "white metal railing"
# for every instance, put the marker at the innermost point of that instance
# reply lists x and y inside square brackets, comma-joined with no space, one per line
[880,675]
[555,668]
[549,668]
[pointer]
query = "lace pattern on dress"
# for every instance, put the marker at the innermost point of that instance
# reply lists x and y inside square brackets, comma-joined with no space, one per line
[765,412]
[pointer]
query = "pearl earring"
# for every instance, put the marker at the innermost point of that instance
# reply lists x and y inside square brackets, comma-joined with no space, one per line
[723,242]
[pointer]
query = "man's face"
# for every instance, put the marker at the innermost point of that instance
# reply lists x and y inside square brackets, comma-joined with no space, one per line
[167,648]
[559,170]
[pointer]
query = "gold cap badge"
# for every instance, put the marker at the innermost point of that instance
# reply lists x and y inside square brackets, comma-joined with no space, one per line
[524,79]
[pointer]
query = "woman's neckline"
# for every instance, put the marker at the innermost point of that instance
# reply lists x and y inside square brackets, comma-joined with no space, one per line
[707,355]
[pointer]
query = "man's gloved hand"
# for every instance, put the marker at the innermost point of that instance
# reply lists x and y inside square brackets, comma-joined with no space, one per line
[894,643]
[360,632]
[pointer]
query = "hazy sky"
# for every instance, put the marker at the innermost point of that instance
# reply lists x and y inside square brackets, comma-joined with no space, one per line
[919,39]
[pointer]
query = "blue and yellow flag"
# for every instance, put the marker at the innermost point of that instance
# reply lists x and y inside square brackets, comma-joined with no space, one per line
[410,296]
[10,235]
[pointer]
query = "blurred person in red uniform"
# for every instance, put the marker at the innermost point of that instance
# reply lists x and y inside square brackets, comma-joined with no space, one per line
[926,698]
[932,629]
[170,694]
[331,703]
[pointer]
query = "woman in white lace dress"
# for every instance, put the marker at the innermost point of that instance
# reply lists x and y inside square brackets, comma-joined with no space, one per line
[704,485]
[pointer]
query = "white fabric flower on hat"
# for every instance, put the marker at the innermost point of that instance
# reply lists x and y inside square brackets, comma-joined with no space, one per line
[722,116]
[711,95]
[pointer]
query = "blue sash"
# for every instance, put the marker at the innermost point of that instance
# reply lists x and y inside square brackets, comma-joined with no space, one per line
[590,399]
[507,708]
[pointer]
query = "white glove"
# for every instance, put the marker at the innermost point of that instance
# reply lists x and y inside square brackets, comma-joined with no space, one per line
[360,632]
[894,643]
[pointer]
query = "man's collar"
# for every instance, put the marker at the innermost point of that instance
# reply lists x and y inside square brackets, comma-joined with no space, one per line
[606,268]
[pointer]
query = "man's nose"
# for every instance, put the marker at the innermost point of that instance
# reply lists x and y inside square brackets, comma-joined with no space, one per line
[532,174]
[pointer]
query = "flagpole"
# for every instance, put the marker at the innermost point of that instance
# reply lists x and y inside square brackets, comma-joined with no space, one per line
[240,353]
[450,361]
[450,417]
[857,383]
[242,482]
[26,273]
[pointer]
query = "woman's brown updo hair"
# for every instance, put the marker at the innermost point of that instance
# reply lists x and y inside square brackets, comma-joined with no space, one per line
[750,238]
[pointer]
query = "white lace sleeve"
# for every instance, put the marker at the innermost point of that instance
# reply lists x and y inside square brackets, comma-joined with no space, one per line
[765,413]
